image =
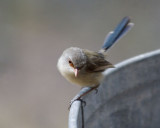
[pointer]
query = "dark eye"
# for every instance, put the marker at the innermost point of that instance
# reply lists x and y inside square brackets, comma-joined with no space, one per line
[70,63]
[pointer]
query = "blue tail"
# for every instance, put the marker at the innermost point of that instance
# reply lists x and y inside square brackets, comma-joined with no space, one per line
[123,27]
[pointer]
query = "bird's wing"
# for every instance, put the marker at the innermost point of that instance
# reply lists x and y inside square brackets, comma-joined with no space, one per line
[96,62]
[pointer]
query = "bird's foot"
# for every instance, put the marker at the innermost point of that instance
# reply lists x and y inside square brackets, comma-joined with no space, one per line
[78,99]
[83,92]
[96,90]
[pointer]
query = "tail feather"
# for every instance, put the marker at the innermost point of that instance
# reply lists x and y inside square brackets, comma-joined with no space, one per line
[123,27]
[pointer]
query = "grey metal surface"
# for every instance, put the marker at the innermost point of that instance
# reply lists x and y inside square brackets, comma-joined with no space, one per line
[129,97]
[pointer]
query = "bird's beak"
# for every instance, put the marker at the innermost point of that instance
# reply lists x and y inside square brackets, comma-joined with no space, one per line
[75,72]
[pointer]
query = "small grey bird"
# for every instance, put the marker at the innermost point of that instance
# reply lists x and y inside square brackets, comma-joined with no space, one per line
[84,67]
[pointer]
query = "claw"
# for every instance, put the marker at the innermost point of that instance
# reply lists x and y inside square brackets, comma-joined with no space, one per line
[78,99]
[96,89]
[83,92]
[83,102]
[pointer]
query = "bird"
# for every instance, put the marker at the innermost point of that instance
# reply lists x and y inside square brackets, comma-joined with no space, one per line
[85,67]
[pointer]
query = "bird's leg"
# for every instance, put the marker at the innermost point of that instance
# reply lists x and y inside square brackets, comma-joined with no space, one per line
[84,91]
[89,90]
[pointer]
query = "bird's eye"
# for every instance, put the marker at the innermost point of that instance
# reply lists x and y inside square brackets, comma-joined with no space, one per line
[70,63]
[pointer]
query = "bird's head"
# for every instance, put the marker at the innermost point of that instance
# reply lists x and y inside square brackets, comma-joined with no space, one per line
[72,61]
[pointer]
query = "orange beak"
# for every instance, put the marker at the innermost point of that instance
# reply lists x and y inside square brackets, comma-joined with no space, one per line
[75,72]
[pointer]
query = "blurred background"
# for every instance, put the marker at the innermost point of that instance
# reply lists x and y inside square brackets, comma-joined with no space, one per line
[34,33]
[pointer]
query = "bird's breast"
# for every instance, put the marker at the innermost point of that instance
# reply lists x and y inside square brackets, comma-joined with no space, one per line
[84,79]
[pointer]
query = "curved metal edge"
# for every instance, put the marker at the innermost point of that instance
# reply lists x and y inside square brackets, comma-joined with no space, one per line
[75,108]
[131,61]
[74,114]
